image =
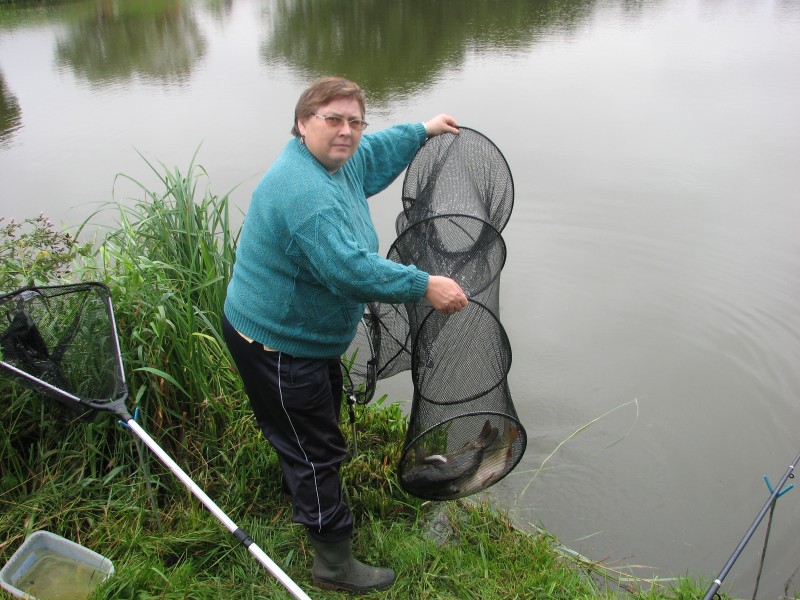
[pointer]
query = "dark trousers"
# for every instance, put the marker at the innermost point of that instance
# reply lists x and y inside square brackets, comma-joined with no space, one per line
[297,403]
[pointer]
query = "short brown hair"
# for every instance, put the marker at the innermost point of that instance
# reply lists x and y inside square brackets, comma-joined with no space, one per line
[322,91]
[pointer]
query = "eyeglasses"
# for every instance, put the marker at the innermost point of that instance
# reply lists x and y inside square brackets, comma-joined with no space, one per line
[336,122]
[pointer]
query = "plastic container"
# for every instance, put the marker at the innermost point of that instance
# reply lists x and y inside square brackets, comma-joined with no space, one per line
[49,567]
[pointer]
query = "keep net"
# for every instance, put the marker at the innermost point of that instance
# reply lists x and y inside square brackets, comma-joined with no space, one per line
[464,434]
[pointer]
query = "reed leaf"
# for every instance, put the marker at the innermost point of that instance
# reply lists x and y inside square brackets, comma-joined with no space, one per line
[171,258]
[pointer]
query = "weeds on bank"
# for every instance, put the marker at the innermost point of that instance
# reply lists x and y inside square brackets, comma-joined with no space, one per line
[193,556]
[35,252]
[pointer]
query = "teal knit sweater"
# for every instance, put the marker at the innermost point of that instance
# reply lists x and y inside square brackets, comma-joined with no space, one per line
[307,257]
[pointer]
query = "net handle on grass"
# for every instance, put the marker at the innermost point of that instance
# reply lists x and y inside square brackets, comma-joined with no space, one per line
[239,533]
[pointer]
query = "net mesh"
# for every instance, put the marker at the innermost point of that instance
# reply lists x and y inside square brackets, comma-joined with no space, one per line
[61,341]
[464,434]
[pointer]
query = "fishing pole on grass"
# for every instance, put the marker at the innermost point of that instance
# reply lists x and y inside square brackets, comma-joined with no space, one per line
[776,493]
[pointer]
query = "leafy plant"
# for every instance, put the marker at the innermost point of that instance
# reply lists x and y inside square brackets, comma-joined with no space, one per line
[34,252]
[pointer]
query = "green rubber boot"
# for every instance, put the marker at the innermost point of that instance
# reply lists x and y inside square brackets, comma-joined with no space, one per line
[335,568]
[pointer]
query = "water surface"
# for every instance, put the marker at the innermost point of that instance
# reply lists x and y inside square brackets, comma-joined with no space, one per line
[650,291]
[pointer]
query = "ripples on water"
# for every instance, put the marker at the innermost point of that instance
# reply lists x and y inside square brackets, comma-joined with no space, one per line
[659,245]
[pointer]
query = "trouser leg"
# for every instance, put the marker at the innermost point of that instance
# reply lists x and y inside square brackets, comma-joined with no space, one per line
[296,402]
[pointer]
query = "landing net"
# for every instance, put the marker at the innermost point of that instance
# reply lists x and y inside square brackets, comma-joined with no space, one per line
[61,341]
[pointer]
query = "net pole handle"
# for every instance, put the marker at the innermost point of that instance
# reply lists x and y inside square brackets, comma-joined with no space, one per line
[240,534]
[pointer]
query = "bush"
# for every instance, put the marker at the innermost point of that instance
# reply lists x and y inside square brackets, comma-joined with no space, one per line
[33,252]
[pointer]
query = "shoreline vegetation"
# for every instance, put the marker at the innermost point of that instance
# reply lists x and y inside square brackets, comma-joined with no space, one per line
[83,476]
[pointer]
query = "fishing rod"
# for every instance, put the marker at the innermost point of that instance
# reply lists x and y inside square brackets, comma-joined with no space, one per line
[712,591]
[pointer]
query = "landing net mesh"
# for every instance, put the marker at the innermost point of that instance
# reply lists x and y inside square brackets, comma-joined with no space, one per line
[61,341]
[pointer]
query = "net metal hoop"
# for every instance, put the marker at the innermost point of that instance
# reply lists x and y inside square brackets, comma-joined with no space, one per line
[58,315]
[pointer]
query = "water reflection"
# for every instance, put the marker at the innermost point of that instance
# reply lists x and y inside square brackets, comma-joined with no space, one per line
[112,41]
[395,49]
[10,114]
[221,10]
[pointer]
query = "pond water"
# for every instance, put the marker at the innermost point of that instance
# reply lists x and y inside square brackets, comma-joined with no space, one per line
[650,291]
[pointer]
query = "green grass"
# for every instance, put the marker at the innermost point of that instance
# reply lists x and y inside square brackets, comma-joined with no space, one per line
[83,477]
[190,555]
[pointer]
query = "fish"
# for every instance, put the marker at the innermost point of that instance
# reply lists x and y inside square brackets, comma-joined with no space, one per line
[493,465]
[438,470]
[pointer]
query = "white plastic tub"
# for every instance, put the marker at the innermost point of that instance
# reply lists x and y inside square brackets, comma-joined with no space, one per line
[49,567]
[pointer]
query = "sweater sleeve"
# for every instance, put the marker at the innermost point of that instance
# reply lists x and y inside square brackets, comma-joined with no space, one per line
[344,267]
[387,153]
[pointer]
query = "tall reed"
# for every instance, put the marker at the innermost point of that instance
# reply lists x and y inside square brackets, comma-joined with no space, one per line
[168,264]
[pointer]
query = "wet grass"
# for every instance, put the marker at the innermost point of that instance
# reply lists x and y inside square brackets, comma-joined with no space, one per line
[83,476]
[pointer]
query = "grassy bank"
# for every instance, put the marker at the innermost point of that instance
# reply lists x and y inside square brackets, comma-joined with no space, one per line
[183,552]
[84,477]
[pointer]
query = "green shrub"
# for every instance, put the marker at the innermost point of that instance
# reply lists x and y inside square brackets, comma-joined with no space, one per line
[33,252]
